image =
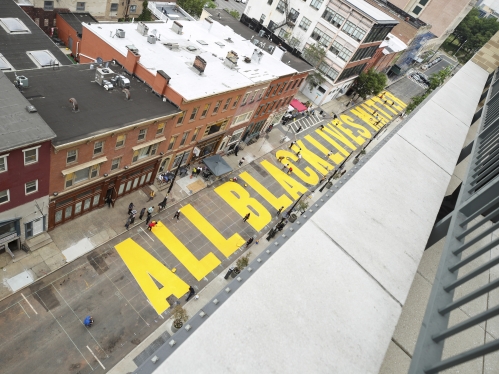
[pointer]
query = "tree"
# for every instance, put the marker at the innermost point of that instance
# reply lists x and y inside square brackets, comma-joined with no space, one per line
[369,83]
[314,54]
[234,13]
[437,79]
[193,7]
[146,13]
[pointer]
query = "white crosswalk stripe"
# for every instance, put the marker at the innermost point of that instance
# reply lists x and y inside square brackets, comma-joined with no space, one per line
[305,122]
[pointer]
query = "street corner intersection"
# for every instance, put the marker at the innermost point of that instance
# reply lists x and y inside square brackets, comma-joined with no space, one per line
[129,284]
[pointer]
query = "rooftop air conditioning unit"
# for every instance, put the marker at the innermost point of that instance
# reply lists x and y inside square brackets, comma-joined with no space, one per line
[22,81]
[120,33]
[255,41]
[261,33]
[142,28]
[104,76]
[151,39]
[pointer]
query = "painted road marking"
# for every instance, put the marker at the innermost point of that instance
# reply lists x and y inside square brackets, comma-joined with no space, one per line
[24,297]
[100,363]
[146,234]
[24,310]
[343,135]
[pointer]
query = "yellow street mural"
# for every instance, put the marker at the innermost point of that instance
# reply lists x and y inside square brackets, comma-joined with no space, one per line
[321,151]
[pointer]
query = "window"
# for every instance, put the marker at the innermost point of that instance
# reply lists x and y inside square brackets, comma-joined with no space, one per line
[259,109]
[145,152]
[244,99]
[333,18]
[347,73]
[161,129]
[193,114]
[115,164]
[328,71]
[31,187]
[260,95]
[316,4]
[253,96]
[184,138]
[4,196]
[46,22]
[378,32]
[262,18]
[98,147]
[276,88]
[133,8]
[281,6]
[304,23]
[417,9]
[321,37]
[269,91]
[82,175]
[354,31]
[242,118]
[215,128]
[48,5]
[30,155]
[37,21]
[114,7]
[226,104]
[196,132]
[142,134]
[289,85]
[236,101]
[80,6]
[72,156]
[173,140]
[55,22]
[340,51]
[364,53]
[3,163]
[217,106]
[282,87]
[120,141]
[205,110]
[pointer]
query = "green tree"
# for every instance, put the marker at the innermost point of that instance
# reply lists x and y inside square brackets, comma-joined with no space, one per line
[314,54]
[146,13]
[369,83]
[235,14]
[193,7]
[437,79]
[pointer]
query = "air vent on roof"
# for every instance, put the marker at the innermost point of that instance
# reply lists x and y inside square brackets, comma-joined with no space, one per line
[151,39]
[31,109]
[177,27]
[191,48]
[255,41]
[142,28]
[220,44]
[120,33]
[202,42]
[229,40]
[231,59]
[171,45]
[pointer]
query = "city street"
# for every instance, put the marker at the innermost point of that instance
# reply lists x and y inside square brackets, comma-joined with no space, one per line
[230,5]
[129,284]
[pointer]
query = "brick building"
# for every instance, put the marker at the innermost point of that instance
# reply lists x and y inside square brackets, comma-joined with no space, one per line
[108,142]
[208,71]
[69,29]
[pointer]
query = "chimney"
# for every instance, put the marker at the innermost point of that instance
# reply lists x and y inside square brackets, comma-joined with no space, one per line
[177,27]
[160,82]
[256,56]
[231,59]
[199,64]
[132,58]
[208,23]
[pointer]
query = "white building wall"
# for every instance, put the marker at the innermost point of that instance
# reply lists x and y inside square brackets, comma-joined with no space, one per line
[97,8]
[27,212]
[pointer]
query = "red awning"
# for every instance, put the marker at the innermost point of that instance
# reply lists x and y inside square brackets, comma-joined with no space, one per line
[298,106]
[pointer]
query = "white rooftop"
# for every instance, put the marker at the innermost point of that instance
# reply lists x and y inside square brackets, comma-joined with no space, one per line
[393,43]
[177,63]
[372,11]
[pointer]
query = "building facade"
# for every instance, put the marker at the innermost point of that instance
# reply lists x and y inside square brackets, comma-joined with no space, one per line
[24,169]
[349,30]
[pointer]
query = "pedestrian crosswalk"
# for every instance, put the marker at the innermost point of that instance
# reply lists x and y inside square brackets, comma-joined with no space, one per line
[303,122]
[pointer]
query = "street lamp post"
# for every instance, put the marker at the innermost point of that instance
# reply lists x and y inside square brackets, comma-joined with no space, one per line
[334,174]
[460,47]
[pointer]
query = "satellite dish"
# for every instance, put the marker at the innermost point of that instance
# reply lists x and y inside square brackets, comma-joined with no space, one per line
[99,60]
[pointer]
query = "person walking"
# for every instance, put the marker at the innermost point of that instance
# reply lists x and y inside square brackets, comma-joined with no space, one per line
[299,157]
[241,161]
[246,217]
[142,212]
[290,170]
[279,211]
[280,158]
[329,154]
[88,321]
[298,153]
[285,166]
[163,203]
[322,127]
[177,215]
[151,225]
[128,221]
[250,240]
[109,201]
[132,219]
[130,208]
[236,149]
[148,218]
[150,210]
[291,144]
[299,129]
[191,293]
[151,195]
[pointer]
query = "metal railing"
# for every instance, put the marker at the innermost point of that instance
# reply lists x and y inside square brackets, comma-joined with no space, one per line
[475,217]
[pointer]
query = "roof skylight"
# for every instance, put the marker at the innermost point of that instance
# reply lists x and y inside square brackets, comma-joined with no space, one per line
[43,58]
[4,64]
[220,44]
[202,42]
[14,26]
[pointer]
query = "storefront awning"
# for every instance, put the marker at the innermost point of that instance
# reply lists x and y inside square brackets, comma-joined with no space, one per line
[298,106]
[99,160]
[147,144]
[217,165]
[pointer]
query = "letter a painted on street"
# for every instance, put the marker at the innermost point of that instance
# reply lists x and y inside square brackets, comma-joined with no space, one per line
[144,267]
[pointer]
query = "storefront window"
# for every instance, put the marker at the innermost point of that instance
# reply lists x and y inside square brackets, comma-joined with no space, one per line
[8,228]
[58,216]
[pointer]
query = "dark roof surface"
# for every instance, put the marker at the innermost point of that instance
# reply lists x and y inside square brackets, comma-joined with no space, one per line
[99,110]
[75,19]
[14,47]
[18,128]
[227,20]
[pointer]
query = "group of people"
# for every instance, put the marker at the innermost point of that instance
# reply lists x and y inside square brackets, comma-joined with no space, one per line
[196,171]
[163,178]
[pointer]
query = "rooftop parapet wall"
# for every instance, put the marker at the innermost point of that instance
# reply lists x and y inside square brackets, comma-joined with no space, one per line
[488,56]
